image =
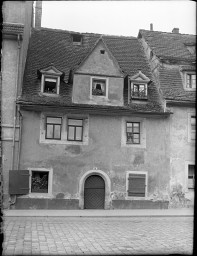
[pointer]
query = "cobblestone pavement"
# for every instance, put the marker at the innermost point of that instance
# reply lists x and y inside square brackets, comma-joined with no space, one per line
[97,236]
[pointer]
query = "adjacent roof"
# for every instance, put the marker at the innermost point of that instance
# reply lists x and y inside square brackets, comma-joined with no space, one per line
[52,47]
[169,45]
[172,48]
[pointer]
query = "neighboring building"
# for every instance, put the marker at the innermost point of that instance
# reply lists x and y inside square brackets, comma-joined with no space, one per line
[172,58]
[91,127]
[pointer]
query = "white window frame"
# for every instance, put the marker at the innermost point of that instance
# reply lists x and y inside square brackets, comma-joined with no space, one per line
[127,185]
[142,122]
[106,84]
[64,139]
[185,80]
[50,182]
[50,76]
[138,82]
[189,127]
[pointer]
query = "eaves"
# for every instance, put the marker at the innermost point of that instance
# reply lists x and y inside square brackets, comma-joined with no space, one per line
[181,103]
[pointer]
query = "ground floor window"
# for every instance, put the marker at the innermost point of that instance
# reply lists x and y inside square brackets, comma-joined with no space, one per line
[191,176]
[136,184]
[39,182]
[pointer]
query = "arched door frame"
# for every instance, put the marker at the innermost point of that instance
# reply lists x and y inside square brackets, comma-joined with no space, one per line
[107,187]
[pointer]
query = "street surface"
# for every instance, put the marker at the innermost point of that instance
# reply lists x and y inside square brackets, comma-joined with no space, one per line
[97,236]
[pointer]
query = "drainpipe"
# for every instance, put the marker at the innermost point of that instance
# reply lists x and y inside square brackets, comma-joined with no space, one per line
[16,88]
[20,136]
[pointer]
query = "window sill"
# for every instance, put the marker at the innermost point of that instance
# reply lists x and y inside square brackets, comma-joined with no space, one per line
[128,145]
[38,195]
[64,142]
[49,94]
[190,89]
[136,198]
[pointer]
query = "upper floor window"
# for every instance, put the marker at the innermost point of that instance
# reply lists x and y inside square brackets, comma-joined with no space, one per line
[53,128]
[77,39]
[191,81]
[138,91]
[191,176]
[75,129]
[50,82]
[138,86]
[133,132]
[99,87]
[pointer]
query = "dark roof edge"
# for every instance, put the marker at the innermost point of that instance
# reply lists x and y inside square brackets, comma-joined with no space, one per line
[152,31]
[102,111]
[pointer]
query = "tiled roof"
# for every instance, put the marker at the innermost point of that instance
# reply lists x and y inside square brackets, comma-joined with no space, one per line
[172,46]
[54,47]
[169,45]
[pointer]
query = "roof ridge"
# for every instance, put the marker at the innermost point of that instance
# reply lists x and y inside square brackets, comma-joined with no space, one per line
[83,33]
[152,31]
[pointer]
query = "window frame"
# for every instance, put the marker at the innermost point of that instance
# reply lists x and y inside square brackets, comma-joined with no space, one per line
[193,186]
[106,87]
[186,73]
[54,124]
[138,83]
[190,131]
[127,185]
[50,182]
[139,133]
[76,42]
[50,76]
[75,126]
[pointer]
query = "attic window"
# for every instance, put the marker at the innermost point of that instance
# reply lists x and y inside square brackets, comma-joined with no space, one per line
[102,51]
[50,85]
[138,91]
[77,39]
[190,81]
[98,87]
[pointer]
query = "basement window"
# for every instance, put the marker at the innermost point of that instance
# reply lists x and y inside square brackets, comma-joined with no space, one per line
[136,184]
[39,182]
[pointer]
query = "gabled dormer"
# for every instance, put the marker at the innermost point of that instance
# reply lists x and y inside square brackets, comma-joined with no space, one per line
[50,80]
[138,87]
[98,79]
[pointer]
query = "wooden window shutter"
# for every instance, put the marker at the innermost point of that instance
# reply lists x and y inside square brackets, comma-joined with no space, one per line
[19,182]
[137,185]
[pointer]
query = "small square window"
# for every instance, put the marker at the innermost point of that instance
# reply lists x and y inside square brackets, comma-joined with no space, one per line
[138,91]
[102,51]
[191,81]
[50,85]
[75,129]
[133,132]
[53,128]
[77,39]
[39,182]
[191,176]
[99,87]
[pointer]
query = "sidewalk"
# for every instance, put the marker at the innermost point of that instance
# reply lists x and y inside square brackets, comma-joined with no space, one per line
[184,212]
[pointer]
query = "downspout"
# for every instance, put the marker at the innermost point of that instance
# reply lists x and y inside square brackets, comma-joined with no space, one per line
[20,136]
[16,88]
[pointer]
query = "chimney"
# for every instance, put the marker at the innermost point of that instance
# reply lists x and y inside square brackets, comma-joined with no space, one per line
[38,14]
[175,30]
[151,27]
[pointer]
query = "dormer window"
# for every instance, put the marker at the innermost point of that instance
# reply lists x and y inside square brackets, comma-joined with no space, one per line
[50,85]
[138,87]
[99,87]
[76,39]
[50,80]
[191,81]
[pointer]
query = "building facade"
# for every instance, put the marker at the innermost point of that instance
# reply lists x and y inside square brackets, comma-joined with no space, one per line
[92,125]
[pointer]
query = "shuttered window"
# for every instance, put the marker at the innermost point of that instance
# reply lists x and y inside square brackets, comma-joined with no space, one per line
[136,185]
[18,182]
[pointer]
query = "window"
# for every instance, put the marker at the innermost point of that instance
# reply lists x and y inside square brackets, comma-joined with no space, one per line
[50,85]
[138,91]
[39,182]
[191,176]
[75,129]
[193,127]
[191,81]
[133,132]
[53,128]
[102,51]
[77,39]
[136,184]
[99,87]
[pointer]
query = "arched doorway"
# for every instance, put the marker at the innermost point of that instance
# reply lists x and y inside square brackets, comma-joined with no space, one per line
[94,192]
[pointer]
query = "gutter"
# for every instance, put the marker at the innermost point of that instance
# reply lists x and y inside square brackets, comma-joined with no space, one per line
[15,97]
[181,103]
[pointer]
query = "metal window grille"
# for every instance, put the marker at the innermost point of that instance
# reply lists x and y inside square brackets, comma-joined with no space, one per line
[53,128]
[133,132]
[75,129]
